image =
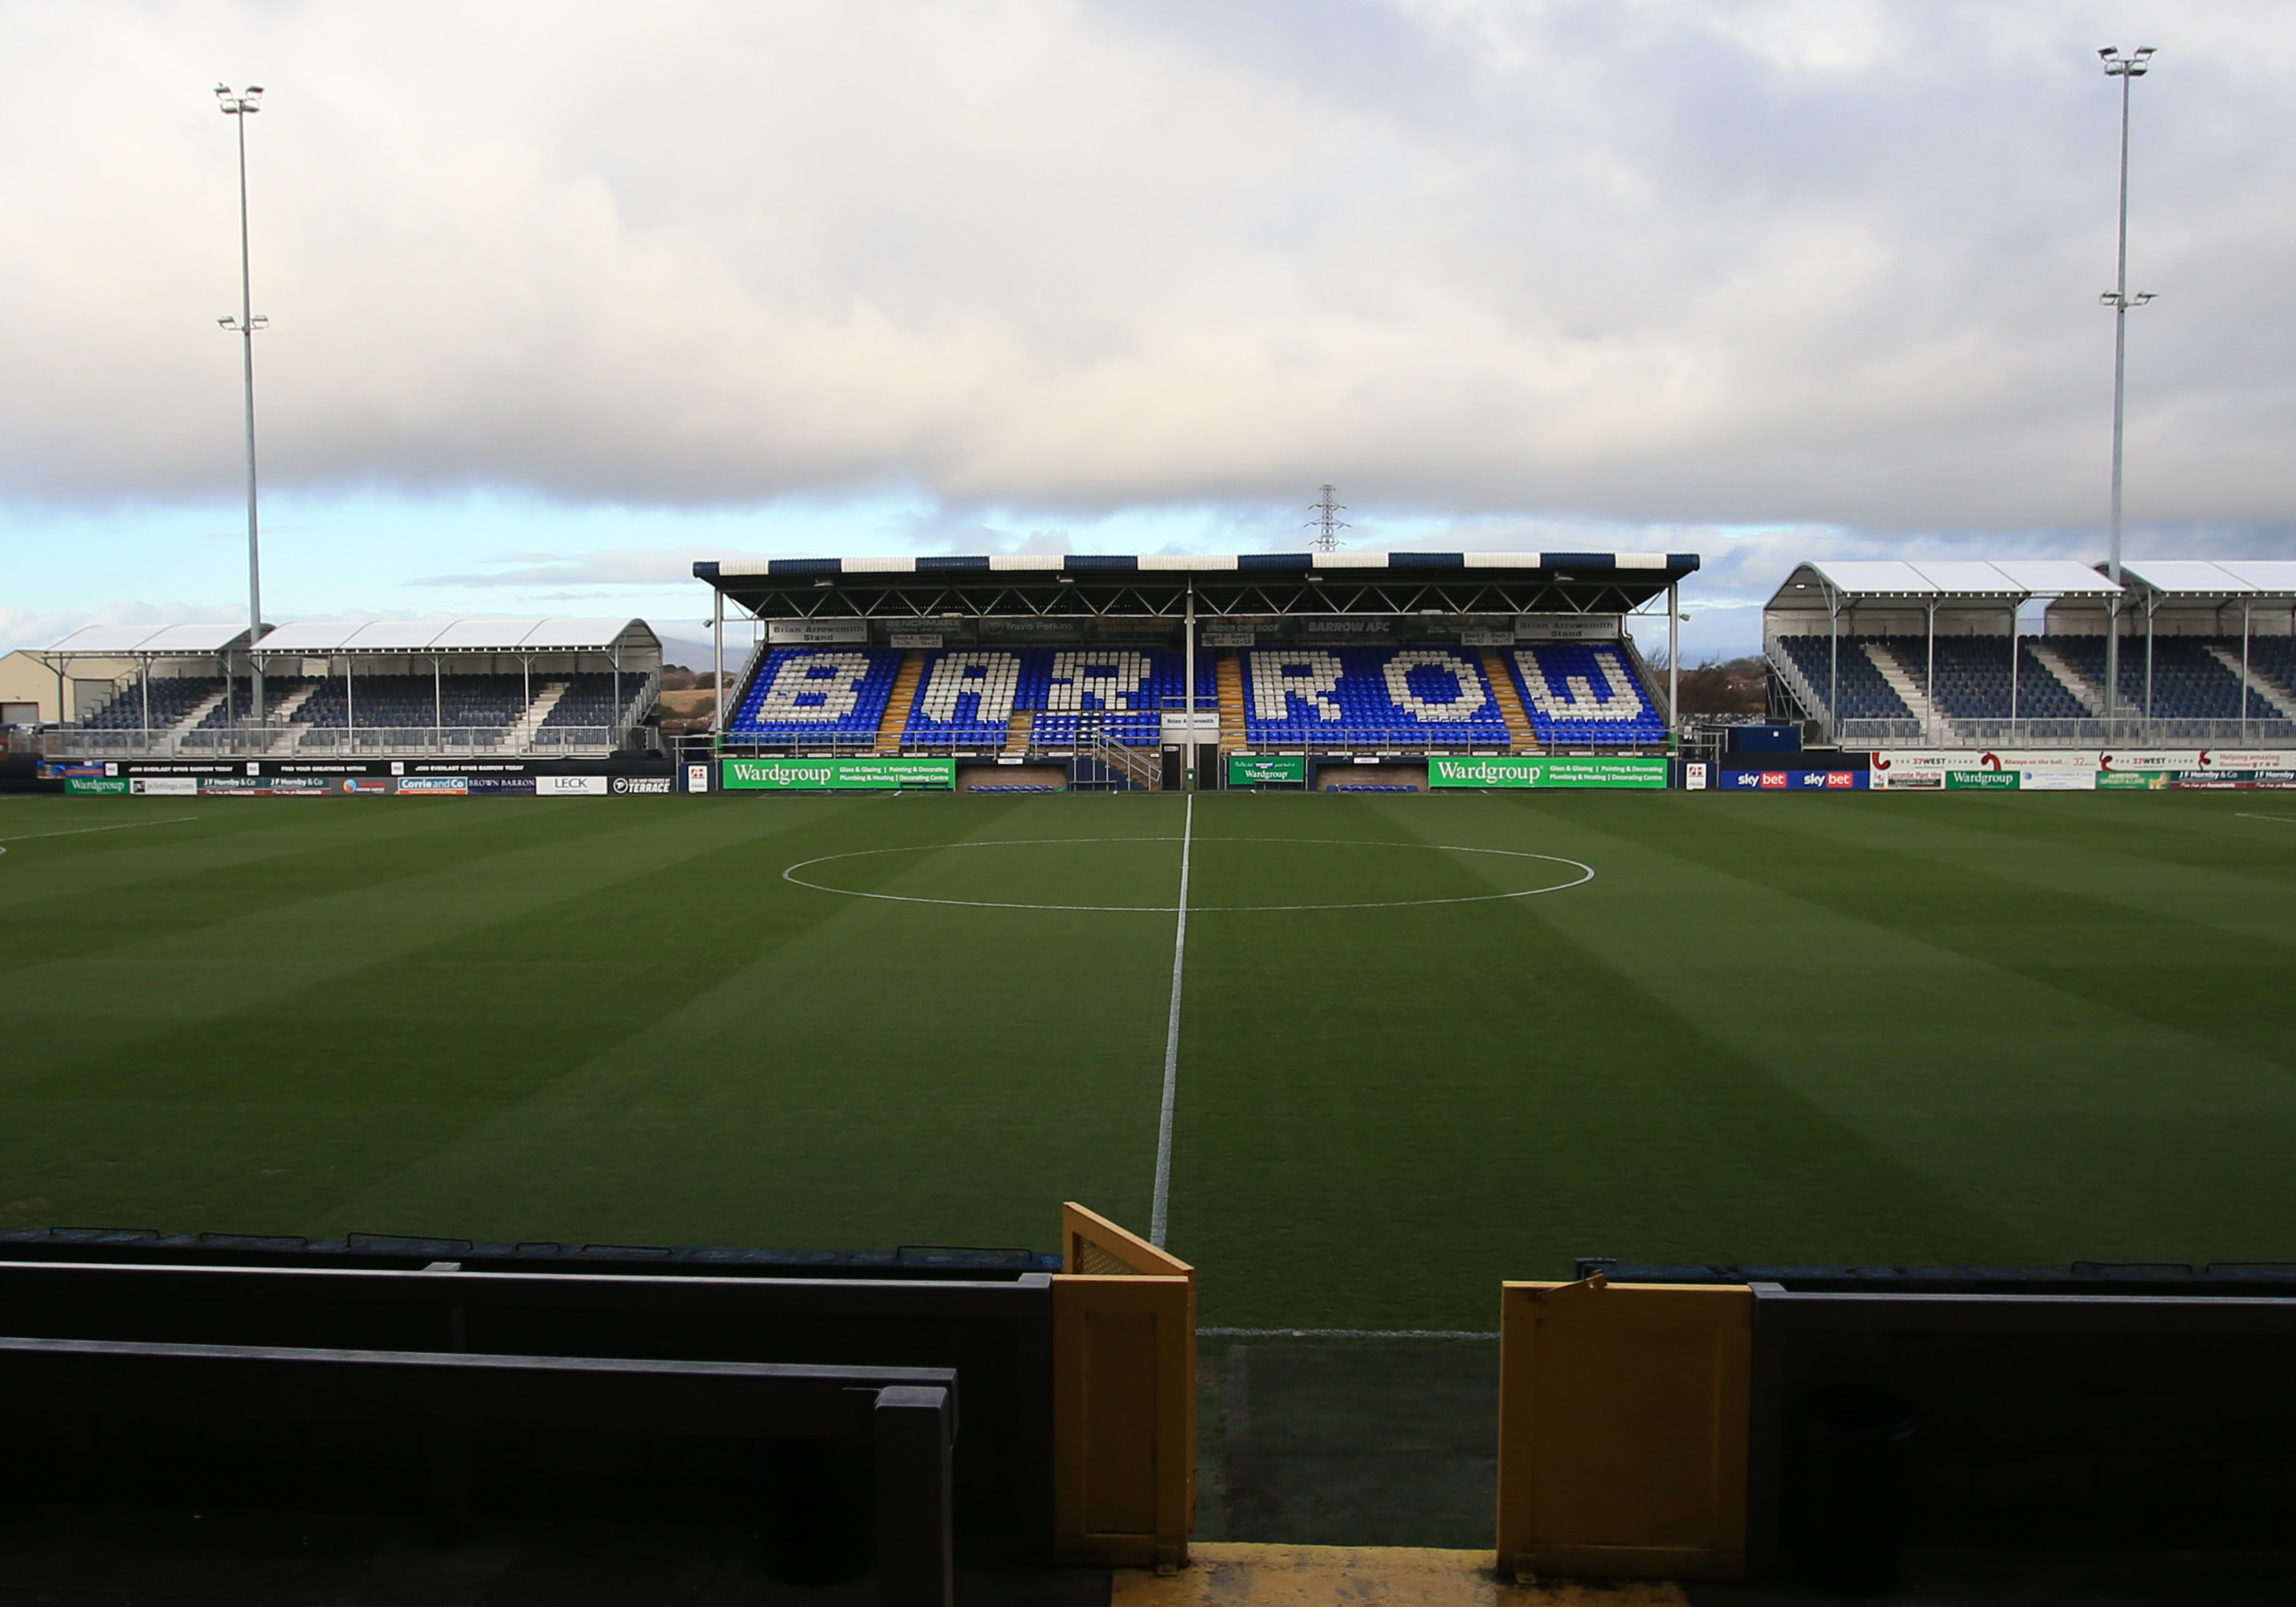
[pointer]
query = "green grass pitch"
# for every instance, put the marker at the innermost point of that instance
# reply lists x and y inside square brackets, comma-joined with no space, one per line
[1912,1029]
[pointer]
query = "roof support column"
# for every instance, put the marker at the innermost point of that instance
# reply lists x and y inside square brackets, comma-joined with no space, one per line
[2151,602]
[717,661]
[144,681]
[2014,609]
[1833,665]
[1929,685]
[1673,664]
[1188,670]
[2245,606]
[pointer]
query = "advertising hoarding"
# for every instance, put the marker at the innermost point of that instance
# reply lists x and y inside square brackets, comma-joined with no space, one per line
[835,775]
[1548,770]
[1282,770]
[1799,779]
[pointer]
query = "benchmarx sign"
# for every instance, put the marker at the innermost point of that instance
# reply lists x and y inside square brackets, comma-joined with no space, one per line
[834,775]
[1545,770]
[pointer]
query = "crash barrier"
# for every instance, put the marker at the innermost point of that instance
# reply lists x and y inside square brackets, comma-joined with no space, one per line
[1124,1343]
[904,1416]
[1812,1421]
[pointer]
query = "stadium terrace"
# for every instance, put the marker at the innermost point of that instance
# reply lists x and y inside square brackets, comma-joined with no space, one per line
[1130,670]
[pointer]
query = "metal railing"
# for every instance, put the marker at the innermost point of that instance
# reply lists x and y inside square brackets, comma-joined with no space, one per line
[1955,732]
[312,741]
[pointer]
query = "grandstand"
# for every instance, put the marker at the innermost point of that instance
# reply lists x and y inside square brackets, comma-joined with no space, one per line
[1954,654]
[557,688]
[1086,662]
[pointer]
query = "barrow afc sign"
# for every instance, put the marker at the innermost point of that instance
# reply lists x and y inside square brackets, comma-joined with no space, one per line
[835,775]
[1544,770]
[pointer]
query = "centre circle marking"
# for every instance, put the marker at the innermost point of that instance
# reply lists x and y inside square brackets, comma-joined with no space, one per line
[1585,875]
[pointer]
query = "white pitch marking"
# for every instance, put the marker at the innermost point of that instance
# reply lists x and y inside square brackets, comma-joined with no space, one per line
[1586,875]
[1160,1212]
[84,831]
[2244,815]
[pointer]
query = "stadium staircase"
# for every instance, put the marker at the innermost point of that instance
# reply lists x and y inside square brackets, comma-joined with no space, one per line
[1520,737]
[1228,672]
[2260,685]
[1143,767]
[1019,730]
[2079,685]
[520,737]
[283,713]
[903,699]
[1910,689]
[197,714]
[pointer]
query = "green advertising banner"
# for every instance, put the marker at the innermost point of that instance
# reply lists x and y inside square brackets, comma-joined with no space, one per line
[1245,771]
[2120,781]
[94,784]
[1548,770]
[1980,781]
[832,775]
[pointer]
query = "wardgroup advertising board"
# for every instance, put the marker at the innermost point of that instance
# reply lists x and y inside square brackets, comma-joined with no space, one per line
[835,775]
[1547,770]
[1244,770]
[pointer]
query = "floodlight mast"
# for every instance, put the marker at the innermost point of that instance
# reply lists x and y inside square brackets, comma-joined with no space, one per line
[243,104]
[2126,67]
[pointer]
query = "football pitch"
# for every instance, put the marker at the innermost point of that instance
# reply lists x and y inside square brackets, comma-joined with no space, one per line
[1422,1043]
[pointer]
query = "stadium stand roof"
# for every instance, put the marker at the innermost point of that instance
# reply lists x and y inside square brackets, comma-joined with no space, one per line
[1935,580]
[2249,577]
[426,636]
[133,641]
[1159,585]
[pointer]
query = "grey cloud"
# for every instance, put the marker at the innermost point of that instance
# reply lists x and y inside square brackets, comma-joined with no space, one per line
[1795,261]
[614,566]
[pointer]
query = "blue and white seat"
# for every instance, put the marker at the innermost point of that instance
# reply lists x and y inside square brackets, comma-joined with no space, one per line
[799,694]
[1584,694]
[1369,697]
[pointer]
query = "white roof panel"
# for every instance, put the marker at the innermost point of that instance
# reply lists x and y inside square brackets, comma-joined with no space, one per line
[563,635]
[1186,560]
[310,635]
[380,634]
[2191,577]
[2055,576]
[481,636]
[318,636]
[150,638]
[2274,576]
[1875,575]
[1963,579]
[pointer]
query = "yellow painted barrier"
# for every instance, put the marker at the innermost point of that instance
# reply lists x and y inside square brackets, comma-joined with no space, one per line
[1124,1398]
[1623,1428]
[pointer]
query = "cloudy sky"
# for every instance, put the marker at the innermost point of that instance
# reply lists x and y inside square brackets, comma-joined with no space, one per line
[565,295]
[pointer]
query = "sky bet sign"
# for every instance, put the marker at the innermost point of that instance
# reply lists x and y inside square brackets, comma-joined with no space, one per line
[1792,781]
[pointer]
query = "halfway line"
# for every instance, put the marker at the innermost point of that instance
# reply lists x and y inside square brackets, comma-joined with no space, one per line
[1160,1213]
[83,830]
